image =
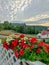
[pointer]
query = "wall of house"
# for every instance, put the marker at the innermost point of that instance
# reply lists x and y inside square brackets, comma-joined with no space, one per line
[45,36]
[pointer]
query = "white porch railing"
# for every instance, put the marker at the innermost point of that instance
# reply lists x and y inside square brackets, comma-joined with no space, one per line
[8,58]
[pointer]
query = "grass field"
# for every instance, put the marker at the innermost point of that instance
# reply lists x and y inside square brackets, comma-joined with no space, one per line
[6,32]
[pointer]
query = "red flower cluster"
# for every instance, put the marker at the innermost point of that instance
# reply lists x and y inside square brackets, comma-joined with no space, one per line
[20,45]
[22,36]
[21,52]
[33,40]
[16,53]
[5,45]
[32,46]
[41,44]
[38,50]
[46,48]
[13,44]
[25,46]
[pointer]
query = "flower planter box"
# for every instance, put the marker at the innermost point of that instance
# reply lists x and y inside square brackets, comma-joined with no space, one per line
[28,49]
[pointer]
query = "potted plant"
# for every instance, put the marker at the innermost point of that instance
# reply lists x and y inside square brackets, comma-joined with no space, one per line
[28,49]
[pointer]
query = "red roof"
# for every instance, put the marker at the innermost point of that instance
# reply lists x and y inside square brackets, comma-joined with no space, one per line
[45,32]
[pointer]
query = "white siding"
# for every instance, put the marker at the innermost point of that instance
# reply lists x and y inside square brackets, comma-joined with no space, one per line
[45,36]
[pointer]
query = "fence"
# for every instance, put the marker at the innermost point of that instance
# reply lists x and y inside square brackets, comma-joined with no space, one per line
[8,58]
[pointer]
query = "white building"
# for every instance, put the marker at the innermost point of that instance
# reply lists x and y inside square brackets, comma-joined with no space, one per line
[44,34]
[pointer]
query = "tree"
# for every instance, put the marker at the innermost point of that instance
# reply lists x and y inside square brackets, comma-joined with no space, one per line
[1,27]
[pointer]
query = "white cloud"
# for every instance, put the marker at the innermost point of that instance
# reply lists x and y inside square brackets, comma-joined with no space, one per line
[37,17]
[45,24]
[12,7]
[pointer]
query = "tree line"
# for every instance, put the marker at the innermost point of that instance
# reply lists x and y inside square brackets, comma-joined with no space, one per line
[21,28]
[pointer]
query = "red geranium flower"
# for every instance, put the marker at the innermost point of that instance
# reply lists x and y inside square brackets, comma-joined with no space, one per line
[25,46]
[22,41]
[46,48]
[21,44]
[15,42]
[41,44]
[22,36]
[38,50]
[33,40]
[32,46]
[21,52]
[12,46]
[5,45]
[16,53]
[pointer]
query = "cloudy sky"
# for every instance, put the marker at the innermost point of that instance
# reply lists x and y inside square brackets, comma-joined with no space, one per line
[24,10]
